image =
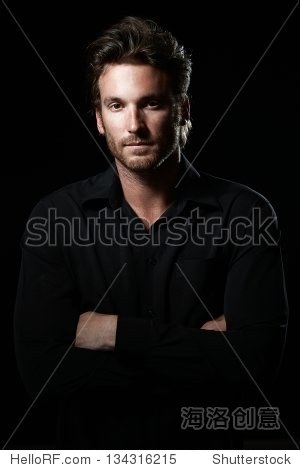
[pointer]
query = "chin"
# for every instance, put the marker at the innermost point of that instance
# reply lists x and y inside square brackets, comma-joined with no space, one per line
[140,162]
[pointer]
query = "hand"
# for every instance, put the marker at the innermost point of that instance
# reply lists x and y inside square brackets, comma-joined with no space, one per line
[96,331]
[218,324]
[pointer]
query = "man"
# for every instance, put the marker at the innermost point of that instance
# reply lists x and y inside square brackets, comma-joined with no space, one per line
[147,289]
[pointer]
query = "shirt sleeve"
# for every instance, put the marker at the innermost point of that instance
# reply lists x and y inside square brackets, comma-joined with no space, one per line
[46,316]
[255,308]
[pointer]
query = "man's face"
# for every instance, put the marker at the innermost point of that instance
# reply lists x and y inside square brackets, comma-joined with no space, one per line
[138,115]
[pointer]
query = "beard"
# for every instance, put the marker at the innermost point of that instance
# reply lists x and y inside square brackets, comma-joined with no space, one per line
[148,157]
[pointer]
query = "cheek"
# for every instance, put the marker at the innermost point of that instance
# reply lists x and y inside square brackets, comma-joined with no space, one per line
[161,123]
[167,124]
[112,125]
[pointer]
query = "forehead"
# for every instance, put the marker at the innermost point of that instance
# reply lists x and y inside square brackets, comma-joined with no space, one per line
[130,80]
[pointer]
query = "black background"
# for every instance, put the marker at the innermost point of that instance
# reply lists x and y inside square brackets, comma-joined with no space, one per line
[45,145]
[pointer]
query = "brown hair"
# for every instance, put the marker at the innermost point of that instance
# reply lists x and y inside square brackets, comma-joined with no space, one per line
[136,39]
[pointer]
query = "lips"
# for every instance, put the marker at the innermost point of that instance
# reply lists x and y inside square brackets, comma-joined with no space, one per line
[137,144]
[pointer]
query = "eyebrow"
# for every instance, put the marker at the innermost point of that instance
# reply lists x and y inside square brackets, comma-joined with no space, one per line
[157,96]
[109,99]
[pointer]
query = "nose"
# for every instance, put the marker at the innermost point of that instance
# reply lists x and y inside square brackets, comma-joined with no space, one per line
[134,120]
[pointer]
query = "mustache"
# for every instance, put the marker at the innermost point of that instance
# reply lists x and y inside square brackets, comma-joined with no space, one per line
[134,141]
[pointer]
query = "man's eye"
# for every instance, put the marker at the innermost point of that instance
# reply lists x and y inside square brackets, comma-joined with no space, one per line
[115,106]
[153,104]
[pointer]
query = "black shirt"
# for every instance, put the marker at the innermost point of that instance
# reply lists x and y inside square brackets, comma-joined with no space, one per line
[214,251]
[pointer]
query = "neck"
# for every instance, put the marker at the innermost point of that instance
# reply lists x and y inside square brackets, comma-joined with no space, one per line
[149,193]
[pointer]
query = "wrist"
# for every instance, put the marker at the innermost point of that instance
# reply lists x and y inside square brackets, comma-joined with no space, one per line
[110,332]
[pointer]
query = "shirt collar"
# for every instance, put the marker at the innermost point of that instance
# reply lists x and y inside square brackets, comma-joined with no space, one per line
[193,187]
[105,186]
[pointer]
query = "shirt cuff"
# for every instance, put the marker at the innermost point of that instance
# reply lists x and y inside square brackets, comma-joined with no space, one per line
[134,335]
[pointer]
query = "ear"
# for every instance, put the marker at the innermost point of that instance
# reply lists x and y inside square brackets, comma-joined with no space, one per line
[185,111]
[99,123]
